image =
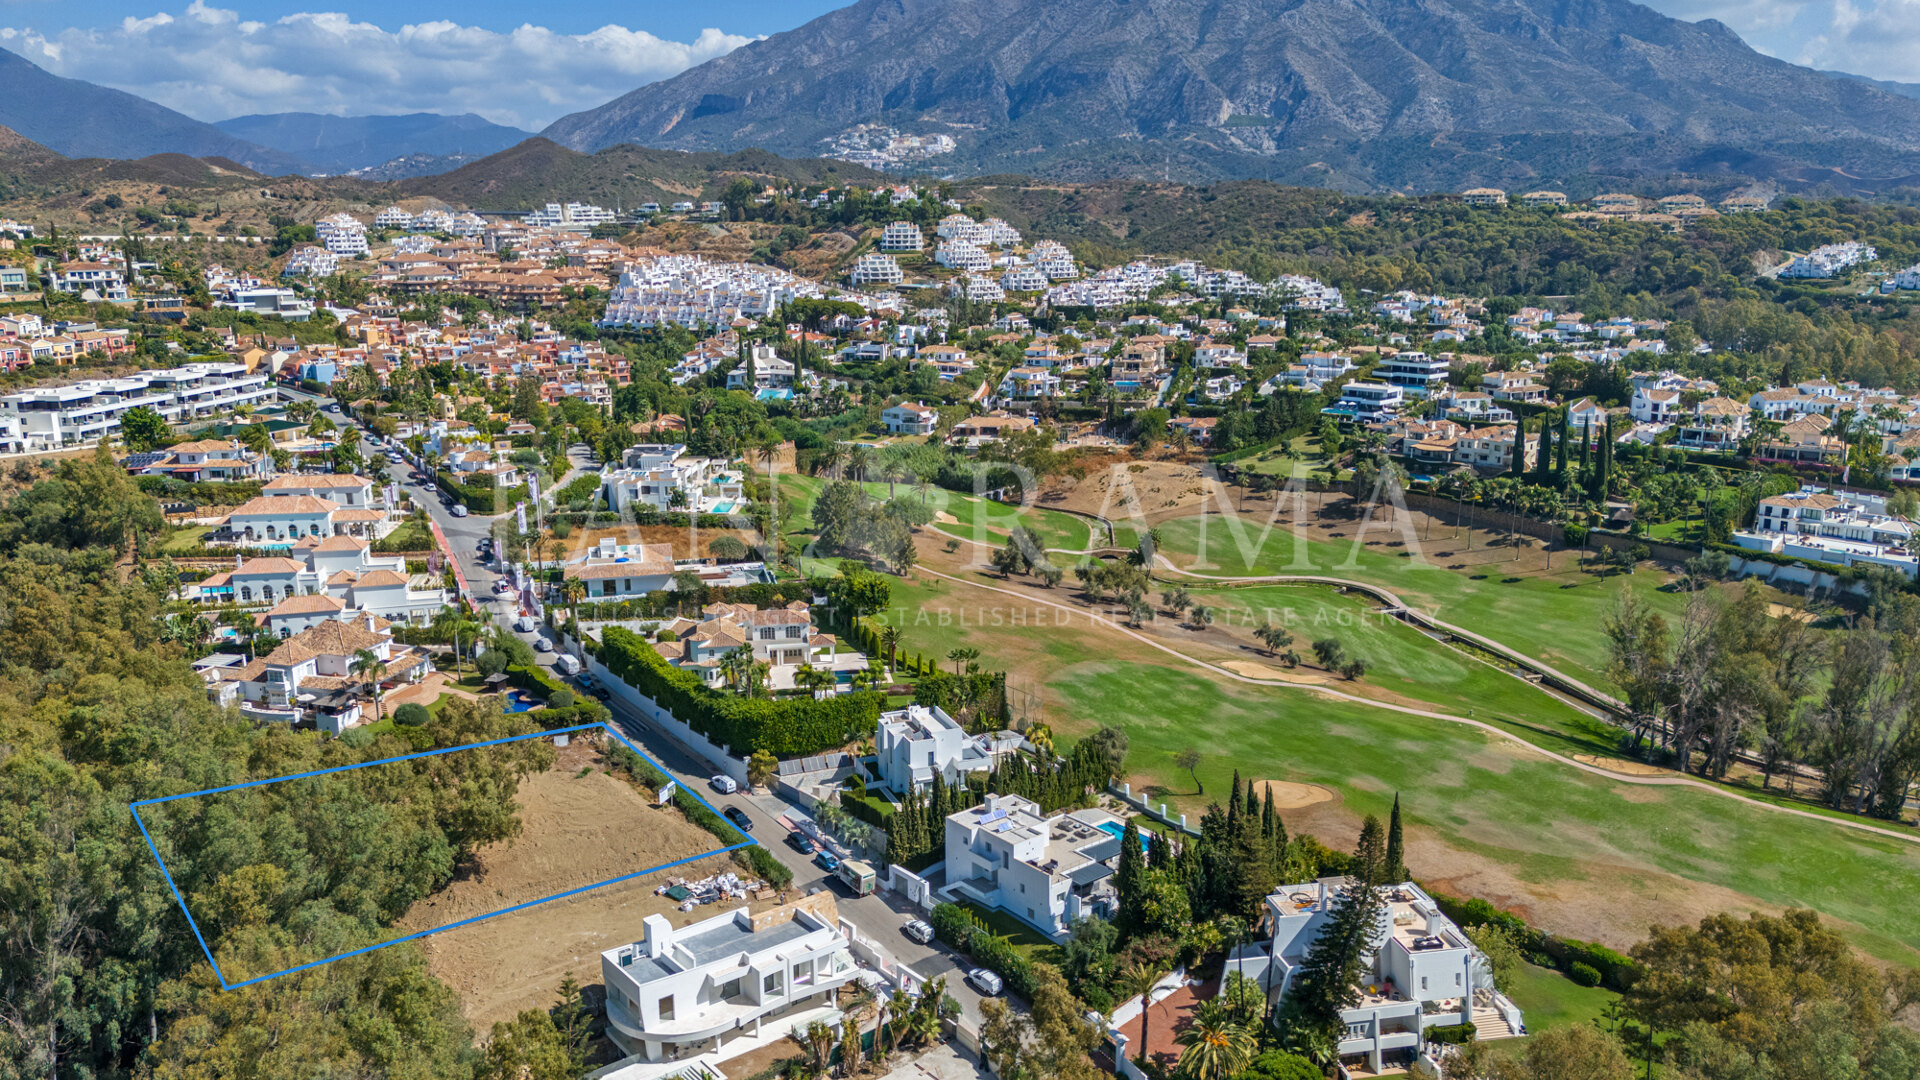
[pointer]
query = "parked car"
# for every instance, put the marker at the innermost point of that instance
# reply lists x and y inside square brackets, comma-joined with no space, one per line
[602,693]
[918,931]
[827,861]
[739,817]
[459,510]
[542,645]
[526,624]
[985,981]
[585,679]
[798,841]
[724,784]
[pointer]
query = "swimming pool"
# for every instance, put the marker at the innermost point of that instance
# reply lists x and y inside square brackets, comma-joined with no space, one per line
[1119,832]
[521,701]
[722,508]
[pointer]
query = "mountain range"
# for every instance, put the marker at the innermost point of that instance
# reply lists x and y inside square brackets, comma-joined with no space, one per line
[81,120]
[345,144]
[1357,94]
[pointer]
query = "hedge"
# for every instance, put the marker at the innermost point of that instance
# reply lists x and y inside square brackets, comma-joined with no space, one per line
[1613,969]
[1451,1034]
[757,857]
[788,727]
[1844,573]
[957,927]
[479,500]
[1583,974]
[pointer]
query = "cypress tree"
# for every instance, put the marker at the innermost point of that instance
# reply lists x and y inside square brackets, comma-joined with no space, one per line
[1518,466]
[1369,855]
[1560,451]
[1267,816]
[1233,805]
[1127,878]
[1543,462]
[1252,809]
[1396,857]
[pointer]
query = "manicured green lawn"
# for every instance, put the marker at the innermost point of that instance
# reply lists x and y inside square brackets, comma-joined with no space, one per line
[974,518]
[1553,617]
[1541,821]
[184,540]
[1549,999]
[1029,942]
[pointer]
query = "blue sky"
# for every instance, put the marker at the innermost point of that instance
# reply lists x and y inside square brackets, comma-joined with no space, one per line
[527,64]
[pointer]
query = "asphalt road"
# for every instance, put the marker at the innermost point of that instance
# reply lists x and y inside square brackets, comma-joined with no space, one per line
[878,917]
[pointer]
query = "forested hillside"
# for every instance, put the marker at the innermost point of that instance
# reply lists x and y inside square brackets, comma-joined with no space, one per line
[101,974]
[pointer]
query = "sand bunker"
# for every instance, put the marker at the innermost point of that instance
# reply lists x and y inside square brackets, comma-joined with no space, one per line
[1622,766]
[1288,795]
[1254,670]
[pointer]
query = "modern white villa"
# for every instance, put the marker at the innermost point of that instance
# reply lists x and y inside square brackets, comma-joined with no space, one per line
[1044,871]
[335,578]
[1832,526]
[691,991]
[666,477]
[1423,973]
[914,744]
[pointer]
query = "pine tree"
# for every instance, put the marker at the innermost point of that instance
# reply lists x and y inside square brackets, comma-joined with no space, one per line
[1396,857]
[1369,855]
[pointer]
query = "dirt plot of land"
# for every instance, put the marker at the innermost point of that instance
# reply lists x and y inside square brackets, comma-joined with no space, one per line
[575,830]
[1121,489]
[686,543]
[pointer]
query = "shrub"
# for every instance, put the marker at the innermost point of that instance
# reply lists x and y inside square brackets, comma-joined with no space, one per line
[1584,974]
[667,635]
[412,714]
[1451,1034]
[562,529]
[561,699]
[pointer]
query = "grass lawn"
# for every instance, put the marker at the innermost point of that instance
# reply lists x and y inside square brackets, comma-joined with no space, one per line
[1549,999]
[1554,617]
[1302,458]
[184,540]
[410,536]
[1030,943]
[974,518]
[1628,851]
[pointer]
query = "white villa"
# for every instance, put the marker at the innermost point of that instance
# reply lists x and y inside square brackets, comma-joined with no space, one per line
[1843,527]
[688,992]
[784,638]
[310,677]
[612,571]
[1044,871]
[665,477]
[912,744]
[210,459]
[1423,973]
[910,418]
[334,578]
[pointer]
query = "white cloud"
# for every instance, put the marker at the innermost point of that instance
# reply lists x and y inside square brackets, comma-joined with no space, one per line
[209,63]
[1880,39]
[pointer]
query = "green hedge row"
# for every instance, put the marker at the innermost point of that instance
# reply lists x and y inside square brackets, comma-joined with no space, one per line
[959,928]
[757,857]
[1615,970]
[479,500]
[1844,573]
[788,727]
[657,605]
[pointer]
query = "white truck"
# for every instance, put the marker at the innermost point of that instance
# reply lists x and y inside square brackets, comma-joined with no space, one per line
[567,664]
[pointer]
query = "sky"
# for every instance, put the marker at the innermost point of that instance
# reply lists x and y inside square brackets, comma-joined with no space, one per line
[527,64]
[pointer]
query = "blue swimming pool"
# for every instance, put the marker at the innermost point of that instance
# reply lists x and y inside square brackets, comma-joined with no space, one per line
[1119,832]
[521,701]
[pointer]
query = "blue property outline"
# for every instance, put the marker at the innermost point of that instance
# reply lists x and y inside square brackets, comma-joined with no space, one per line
[628,743]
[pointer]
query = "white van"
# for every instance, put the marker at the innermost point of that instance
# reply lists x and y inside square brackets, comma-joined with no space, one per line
[567,663]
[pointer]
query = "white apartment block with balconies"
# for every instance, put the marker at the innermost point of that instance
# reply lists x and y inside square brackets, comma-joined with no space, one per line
[874,268]
[902,236]
[690,991]
[1417,374]
[343,235]
[54,416]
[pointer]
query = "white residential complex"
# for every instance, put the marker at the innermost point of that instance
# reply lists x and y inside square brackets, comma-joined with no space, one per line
[573,217]
[1118,285]
[54,416]
[687,290]
[901,236]
[682,992]
[343,235]
[1825,262]
[1840,527]
[1423,972]
[917,742]
[874,268]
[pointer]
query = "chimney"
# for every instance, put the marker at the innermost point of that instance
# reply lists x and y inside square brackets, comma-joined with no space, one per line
[370,628]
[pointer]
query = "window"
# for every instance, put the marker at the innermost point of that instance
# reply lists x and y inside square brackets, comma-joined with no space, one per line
[666,1007]
[803,973]
[730,990]
[1423,982]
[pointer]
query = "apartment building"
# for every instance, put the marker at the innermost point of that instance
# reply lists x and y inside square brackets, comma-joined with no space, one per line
[902,236]
[343,235]
[1423,972]
[1490,449]
[101,280]
[1417,374]
[55,416]
[689,991]
[1824,525]
[1044,871]
[874,268]
[1716,424]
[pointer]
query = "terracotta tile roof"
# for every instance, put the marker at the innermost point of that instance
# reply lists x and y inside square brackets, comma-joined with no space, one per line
[672,650]
[284,504]
[330,638]
[326,480]
[270,564]
[311,604]
[357,514]
[342,543]
[379,578]
[343,577]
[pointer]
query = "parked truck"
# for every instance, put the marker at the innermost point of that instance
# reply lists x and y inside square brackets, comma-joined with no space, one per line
[856,876]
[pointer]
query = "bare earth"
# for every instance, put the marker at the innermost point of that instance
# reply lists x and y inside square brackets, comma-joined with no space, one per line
[576,830]
[1623,766]
[1288,795]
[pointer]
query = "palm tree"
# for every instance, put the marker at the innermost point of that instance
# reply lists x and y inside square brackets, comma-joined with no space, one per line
[573,590]
[859,460]
[961,656]
[368,665]
[890,646]
[1140,979]
[899,1015]
[1216,1046]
